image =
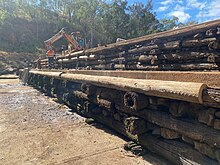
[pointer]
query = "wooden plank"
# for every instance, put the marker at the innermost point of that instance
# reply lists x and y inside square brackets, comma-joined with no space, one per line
[189,128]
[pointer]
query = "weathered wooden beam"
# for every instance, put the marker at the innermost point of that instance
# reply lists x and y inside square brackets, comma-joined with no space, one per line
[175,151]
[189,128]
[178,66]
[134,101]
[211,97]
[168,39]
[174,90]
[168,35]
[213,57]
[100,102]
[166,89]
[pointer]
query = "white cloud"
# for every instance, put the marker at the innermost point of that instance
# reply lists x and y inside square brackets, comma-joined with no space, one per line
[183,17]
[167,2]
[179,12]
[196,4]
[210,12]
[180,8]
[162,8]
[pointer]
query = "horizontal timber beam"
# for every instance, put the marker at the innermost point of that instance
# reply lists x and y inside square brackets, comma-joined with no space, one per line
[187,91]
[212,79]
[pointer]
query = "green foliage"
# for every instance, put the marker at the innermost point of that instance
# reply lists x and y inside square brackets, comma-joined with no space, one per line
[167,24]
[25,24]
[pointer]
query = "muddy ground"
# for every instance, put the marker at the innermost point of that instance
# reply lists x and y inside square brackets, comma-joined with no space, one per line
[34,129]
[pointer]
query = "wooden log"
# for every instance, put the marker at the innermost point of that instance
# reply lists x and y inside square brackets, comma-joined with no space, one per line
[156,130]
[106,104]
[135,101]
[117,116]
[211,32]
[122,60]
[135,125]
[167,89]
[159,36]
[88,88]
[205,149]
[199,36]
[217,154]
[111,95]
[217,124]
[169,134]
[184,109]
[145,67]
[188,140]
[158,101]
[148,58]
[87,107]
[175,151]
[190,128]
[212,57]
[91,59]
[193,66]
[186,91]
[211,97]
[177,66]
[178,109]
[104,67]
[181,64]
[106,113]
[100,102]
[158,39]
[218,30]
[207,116]
[194,43]
[164,36]
[167,46]
[119,66]
[214,45]
[217,114]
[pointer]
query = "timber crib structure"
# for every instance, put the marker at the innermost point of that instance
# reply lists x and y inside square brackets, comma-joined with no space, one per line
[161,91]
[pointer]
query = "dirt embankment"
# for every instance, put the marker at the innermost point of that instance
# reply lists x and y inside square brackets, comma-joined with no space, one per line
[11,61]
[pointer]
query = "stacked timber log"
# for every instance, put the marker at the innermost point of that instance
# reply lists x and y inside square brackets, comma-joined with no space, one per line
[189,48]
[177,120]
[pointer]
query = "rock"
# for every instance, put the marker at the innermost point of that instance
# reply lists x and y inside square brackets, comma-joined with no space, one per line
[89,120]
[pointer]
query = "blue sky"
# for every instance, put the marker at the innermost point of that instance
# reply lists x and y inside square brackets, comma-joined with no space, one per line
[186,10]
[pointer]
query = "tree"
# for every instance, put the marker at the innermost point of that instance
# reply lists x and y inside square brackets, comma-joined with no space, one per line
[167,24]
[142,20]
[27,23]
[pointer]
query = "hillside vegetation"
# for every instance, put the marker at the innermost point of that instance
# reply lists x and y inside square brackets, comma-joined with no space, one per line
[11,62]
[25,24]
